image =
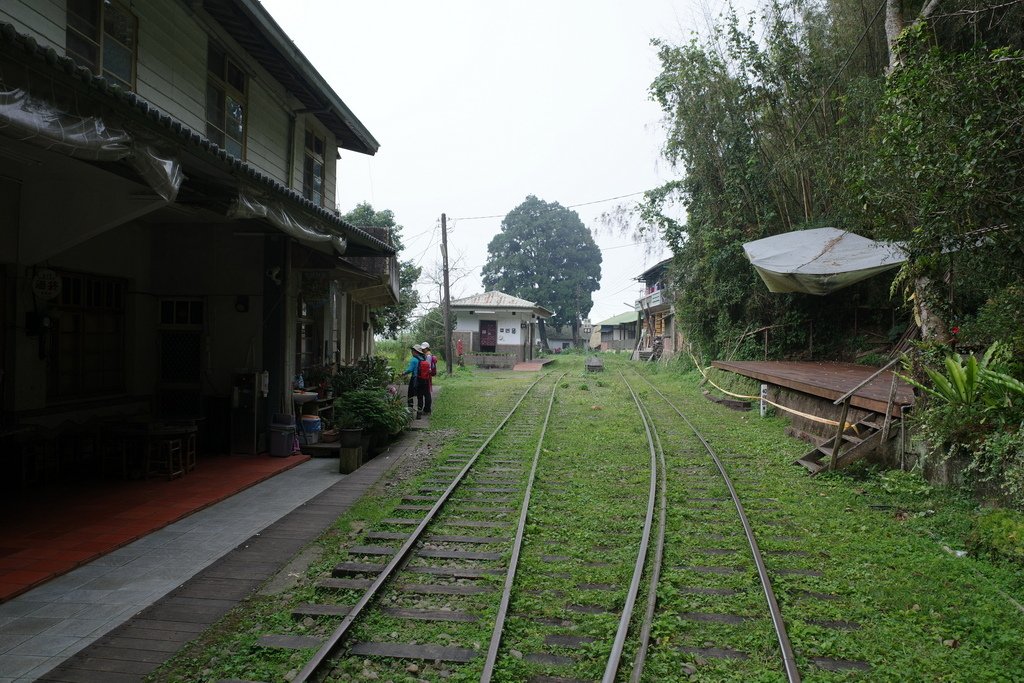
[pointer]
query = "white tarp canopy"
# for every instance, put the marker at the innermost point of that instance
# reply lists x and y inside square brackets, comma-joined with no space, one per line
[821,260]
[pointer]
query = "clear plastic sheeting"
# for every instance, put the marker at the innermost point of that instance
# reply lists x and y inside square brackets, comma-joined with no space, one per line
[820,261]
[161,172]
[37,122]
[248,206]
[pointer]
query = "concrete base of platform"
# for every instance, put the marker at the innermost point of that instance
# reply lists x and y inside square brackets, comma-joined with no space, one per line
[533,365]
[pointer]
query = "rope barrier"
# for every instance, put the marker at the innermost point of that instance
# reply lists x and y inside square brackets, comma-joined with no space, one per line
[806,416]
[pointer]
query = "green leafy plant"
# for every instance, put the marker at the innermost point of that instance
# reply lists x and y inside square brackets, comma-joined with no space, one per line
[968,380]
[369,372]
[373,410]
[999,535]
[976,412]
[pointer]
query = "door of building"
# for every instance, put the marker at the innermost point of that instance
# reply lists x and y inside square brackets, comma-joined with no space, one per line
[488,335]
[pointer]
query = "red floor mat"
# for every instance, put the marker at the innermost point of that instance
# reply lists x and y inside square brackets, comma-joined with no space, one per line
[48,531]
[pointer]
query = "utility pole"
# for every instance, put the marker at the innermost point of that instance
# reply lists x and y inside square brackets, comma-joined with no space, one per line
[446,302]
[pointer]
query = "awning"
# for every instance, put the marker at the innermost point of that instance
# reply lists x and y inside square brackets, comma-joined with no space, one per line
[821,260]
[249,206]
[38,122]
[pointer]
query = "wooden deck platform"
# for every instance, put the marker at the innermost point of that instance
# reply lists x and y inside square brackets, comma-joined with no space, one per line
[826,380]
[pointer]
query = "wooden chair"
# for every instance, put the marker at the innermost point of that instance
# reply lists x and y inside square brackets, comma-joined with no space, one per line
[191,452]
[165,457]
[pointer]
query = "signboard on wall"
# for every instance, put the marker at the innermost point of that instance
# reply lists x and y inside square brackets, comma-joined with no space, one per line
[509,333]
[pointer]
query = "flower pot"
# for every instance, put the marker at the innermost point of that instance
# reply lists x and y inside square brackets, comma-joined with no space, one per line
[378,440]
[329,435]
[350,438]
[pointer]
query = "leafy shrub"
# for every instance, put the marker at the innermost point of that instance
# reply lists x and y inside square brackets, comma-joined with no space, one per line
[369,372]
[1001,317]
[1000,459]
[904,485]
[998,535]
[373,410]
[976,409]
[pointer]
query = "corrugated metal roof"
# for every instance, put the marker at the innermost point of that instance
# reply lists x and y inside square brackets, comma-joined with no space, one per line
[499,300]
[628,317]
[660,265]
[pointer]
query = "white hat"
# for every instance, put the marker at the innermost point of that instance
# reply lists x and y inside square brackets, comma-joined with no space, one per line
[416,347]
[424,345]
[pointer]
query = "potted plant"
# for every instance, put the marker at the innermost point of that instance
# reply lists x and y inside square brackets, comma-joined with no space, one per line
[350,429]
[378,411]
[329,433]
[317,377]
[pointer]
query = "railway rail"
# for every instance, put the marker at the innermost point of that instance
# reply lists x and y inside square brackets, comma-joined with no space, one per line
[525,563]
[772,605]
[483,477]
[493,481]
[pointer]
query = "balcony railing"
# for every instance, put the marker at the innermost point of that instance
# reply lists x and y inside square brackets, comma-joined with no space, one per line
[652,300]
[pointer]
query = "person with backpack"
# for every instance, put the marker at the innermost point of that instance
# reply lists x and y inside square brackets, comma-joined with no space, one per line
[423,385]
[413,370]
[433,373]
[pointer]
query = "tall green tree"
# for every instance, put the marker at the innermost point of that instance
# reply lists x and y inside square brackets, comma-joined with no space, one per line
[761,150]
[430,328]
[946,178]
[545,254]
[388,321]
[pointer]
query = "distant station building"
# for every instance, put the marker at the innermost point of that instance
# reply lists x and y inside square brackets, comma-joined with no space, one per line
[617,333]
[658,335]
[497,329]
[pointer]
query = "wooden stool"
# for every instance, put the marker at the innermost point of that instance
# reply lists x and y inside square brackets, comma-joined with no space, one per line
[191,454]
[165,458]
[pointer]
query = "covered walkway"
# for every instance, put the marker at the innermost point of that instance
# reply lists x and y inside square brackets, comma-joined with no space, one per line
[46,531]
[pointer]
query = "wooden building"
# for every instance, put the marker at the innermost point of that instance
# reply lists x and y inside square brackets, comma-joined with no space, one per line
[658,335]
[167,194]
[617,333]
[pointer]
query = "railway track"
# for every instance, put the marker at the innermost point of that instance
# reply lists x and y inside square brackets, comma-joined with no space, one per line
[467,553]
[532,554]
[714,518]
[718,509]
[465,506]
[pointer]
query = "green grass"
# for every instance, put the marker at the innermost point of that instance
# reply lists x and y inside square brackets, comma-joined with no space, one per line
[884,542]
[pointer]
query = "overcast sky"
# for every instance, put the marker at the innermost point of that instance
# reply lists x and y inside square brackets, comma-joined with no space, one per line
[477,104]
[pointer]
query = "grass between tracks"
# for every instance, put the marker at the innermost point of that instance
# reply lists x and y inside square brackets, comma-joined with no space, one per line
[884,543]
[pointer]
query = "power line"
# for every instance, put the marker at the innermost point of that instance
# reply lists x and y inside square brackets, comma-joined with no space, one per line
[430,243]
[570,206]
[835,76]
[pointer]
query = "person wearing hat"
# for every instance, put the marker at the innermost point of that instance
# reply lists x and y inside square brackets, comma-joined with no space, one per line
[428,399]
[414,384]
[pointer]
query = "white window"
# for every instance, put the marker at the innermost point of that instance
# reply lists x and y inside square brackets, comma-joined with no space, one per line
[101,35]
[225,101]
[313,174]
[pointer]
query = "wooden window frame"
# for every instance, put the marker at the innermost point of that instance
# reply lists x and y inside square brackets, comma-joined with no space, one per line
[77,29]
[310,158]
[224,83]
[78,361]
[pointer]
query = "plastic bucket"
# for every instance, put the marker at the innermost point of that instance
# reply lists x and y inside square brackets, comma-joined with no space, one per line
[282,439]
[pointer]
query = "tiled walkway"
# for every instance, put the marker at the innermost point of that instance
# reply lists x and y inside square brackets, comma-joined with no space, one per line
[49,531]
[43,627]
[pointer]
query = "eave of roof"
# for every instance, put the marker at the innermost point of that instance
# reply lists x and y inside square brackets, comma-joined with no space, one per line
[495,299]
[132,106]
[628,317]
[249,23]
[661,265]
